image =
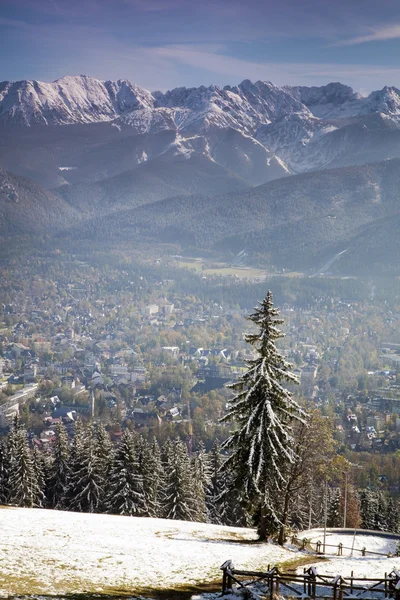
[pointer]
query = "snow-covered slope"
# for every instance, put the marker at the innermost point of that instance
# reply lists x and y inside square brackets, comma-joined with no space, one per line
[385,102]
[370,566]
[258,130]
[69,100]
[53,552]
[293,138]
[334,100]
[243,107]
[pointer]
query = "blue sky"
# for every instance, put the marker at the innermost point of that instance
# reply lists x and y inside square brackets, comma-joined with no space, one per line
[160,44]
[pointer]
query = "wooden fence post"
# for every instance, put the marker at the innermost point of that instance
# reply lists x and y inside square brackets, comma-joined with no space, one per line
[271,586]
[277,583]
[226,578]
[341,590]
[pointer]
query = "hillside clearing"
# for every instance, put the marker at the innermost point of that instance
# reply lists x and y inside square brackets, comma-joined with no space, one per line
[55,552]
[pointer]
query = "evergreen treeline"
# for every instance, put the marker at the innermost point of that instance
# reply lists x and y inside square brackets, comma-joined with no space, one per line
[136,477]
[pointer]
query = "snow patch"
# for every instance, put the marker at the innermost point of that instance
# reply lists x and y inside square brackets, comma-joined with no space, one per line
[79,552]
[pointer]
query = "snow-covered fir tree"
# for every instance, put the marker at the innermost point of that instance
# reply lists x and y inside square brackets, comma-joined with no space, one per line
[381,516]
[368,508]
[150,469]
[334,516]
[178,499]
[125,489]
[232,502]
[59,470]
[262,410]
[23,486]
[393,516]
[4,464]
[215,488]
[85,486]
[40,467]
[201,477]
[102,448]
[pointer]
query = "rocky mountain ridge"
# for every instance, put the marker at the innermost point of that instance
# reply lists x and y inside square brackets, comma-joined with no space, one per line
[253,124]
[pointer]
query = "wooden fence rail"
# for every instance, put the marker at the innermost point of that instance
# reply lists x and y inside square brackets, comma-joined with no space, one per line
[303,543]
[311,584]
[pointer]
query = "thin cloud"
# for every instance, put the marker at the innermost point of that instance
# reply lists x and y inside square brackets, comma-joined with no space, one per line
[211,59]
[388,32]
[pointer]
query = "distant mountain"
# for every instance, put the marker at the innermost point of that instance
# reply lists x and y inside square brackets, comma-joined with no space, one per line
[81,130]
[26,208]
[300,222]
[68,100]
[334,100]
[163,178]
[104,158]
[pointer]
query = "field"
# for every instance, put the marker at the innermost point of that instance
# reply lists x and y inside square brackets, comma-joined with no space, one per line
[209,267]
[55,552]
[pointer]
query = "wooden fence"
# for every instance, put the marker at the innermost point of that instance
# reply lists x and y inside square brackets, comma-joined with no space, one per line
[311,584]
[320,547]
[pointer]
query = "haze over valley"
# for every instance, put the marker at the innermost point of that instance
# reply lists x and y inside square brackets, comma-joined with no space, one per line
[295,173]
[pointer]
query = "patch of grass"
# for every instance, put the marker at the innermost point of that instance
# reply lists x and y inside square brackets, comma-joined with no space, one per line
[173,593]
[24,584]
[168,533]
[293,563]
[223,269]
[20,584]
[241,272]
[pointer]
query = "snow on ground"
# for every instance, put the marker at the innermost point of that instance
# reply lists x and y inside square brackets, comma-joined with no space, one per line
[372,543]
[44,551]
[369,566]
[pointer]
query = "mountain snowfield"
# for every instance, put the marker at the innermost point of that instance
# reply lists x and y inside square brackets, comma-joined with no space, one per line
[286,124]
[55,552]
[98,159]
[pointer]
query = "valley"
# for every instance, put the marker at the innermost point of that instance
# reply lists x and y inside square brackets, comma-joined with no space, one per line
[293,175]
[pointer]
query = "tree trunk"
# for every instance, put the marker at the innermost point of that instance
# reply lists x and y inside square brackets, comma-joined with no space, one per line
[262,525]
[281,539]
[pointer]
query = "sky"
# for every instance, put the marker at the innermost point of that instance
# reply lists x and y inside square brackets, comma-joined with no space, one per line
[162,44]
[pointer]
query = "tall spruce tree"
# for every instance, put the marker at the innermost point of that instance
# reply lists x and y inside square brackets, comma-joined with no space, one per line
[178,499]
[201,476]
[334,517]
[262,445]
[85,487]
[4,463]
[215,489]
[126,495]
[150,469]
[102,449]
[368,509]
[232,502]
[40,466]
[23,486]
[393,517]
[59,470]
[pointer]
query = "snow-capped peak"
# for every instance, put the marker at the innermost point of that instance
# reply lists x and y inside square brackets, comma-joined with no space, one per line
[69,100]
[385,101]
[328,101]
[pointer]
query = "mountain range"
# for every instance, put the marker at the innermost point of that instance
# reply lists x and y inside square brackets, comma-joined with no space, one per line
[256,163]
